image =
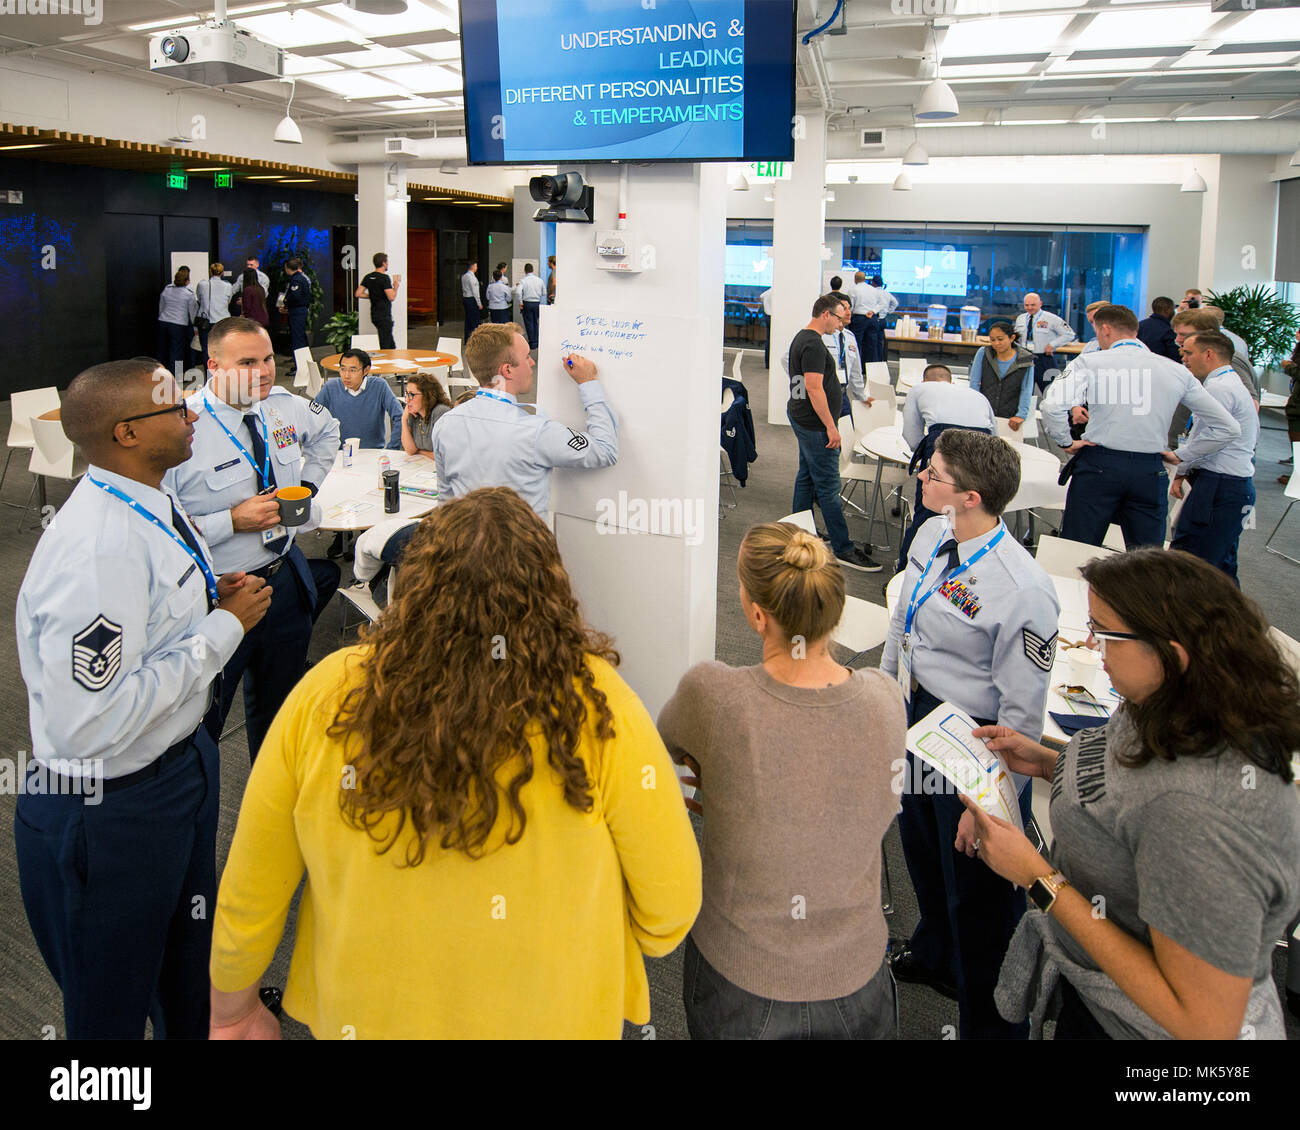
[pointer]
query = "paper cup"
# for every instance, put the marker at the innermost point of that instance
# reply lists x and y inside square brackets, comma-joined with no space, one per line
[295,505]
[1084,666]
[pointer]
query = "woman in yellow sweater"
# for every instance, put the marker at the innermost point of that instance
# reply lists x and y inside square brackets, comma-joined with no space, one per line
[491,828]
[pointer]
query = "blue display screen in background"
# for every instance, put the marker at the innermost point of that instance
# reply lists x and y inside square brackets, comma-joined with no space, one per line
[748,265]
[615,80]
[932,271]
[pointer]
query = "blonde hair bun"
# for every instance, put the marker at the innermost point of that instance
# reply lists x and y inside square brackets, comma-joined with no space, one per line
[805,551]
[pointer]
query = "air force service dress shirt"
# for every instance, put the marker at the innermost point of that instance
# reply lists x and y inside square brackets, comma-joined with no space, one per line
[302,439]
[1131,394]
[1237,456]
[1048,329]
[843,348]
[498,296]
[491,441]
[986,640]
[941,402]
[116,642]
[531,289]
[469,286]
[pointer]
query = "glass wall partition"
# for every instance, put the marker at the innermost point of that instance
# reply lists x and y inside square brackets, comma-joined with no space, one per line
[995,266]
[748,273]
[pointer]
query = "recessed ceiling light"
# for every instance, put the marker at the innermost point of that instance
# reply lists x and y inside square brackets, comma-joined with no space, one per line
[33,145]
[266,177]
[212,169]
[297,180]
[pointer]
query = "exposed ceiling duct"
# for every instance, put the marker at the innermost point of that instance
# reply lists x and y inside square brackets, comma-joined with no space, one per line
[417,152]
[1076,138]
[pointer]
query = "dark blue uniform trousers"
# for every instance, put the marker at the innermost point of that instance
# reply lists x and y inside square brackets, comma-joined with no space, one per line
[859,325]
[473,315]
[1045,370]
[531,313]
[967,912]
[500,317]
[1210,522]
[297,327]
[877,346]
[1128,488]
[273,655]
[120,897]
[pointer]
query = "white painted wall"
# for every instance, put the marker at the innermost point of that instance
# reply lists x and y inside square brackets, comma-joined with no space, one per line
[655,593]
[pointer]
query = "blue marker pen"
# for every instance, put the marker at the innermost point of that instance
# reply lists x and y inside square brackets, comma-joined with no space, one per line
[569,362]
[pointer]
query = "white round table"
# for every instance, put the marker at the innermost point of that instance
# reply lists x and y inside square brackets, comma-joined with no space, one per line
[1039,471]
[351,499]
[885,445]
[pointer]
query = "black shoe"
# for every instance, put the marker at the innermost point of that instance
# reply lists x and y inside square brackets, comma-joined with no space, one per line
[857,559]
[336,546]
[907,968]
[1293,1002]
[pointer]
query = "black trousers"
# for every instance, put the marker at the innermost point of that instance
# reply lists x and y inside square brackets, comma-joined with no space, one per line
[473,315]
[384,327]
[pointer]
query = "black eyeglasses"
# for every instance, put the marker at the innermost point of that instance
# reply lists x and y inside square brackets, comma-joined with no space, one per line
[929,474]
[182,408]
[1099,634]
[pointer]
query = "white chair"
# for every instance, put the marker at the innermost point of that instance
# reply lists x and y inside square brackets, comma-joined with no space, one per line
[866,420]
[53,455]
[736,364]
[368,342]
[457,385]
[862,626]
[359,597]
[450,346]
[910,370]
[880,391]
[23,406]
[306,371]
[1114,539]
[728,399]
[1008,433]
[725,479]
[1293,493]
[1289,648]
[803,519]
[1030,429]
[1061,557]
[877,372]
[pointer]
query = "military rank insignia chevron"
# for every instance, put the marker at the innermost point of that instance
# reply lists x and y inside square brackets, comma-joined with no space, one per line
[97,654]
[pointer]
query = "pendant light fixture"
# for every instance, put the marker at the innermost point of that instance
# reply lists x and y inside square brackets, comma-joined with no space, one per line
[937,100]
[287,131]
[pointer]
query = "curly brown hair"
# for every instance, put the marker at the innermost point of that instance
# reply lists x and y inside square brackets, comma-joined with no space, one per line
[431,391]
[483,650]
[1238,691]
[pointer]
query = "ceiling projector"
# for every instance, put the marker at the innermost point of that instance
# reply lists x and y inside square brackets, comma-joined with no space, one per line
[215,54]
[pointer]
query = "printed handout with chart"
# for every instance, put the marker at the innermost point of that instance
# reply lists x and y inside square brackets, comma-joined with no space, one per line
[944,740]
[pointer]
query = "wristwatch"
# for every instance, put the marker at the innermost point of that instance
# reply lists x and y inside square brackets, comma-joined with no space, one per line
[1043,890]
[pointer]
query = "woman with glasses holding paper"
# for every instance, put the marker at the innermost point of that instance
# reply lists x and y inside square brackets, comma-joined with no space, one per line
[1177,827]
[975,627]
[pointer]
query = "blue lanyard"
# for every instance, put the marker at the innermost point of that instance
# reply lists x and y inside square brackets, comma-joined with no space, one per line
[198,558]
[263,472]
[1221,371]
[494,396]
[1131,342]
[913,604]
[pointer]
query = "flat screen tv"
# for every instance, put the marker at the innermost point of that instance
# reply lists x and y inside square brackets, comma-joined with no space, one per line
[561,81]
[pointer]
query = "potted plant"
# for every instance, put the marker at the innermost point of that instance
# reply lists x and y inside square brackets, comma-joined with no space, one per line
[340,329]
[1266,322]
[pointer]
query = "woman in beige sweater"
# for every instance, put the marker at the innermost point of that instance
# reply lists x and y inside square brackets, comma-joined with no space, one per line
[796,757]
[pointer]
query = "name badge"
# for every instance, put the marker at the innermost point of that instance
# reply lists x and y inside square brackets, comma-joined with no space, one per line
[226,465]
[185,576]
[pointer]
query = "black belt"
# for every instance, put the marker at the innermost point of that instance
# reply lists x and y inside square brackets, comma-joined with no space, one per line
[268,571]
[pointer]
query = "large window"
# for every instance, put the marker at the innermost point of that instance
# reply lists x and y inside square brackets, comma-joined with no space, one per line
[993,267]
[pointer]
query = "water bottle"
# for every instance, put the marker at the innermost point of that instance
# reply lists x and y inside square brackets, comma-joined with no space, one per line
[384,464]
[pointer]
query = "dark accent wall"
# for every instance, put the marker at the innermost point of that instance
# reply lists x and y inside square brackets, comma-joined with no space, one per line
[84,256]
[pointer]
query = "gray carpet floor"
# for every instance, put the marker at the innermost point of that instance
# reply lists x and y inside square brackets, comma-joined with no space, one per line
[29,1000]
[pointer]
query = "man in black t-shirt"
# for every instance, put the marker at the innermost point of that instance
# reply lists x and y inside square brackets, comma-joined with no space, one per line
[813,409]
[381,291]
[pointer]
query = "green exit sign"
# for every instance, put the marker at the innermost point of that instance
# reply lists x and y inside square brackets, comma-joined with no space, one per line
[177,180]
[767,170]
[224,180]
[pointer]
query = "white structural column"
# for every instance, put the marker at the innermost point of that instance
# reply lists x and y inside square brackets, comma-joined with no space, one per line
[640,539]
[381,226]
[798,229]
